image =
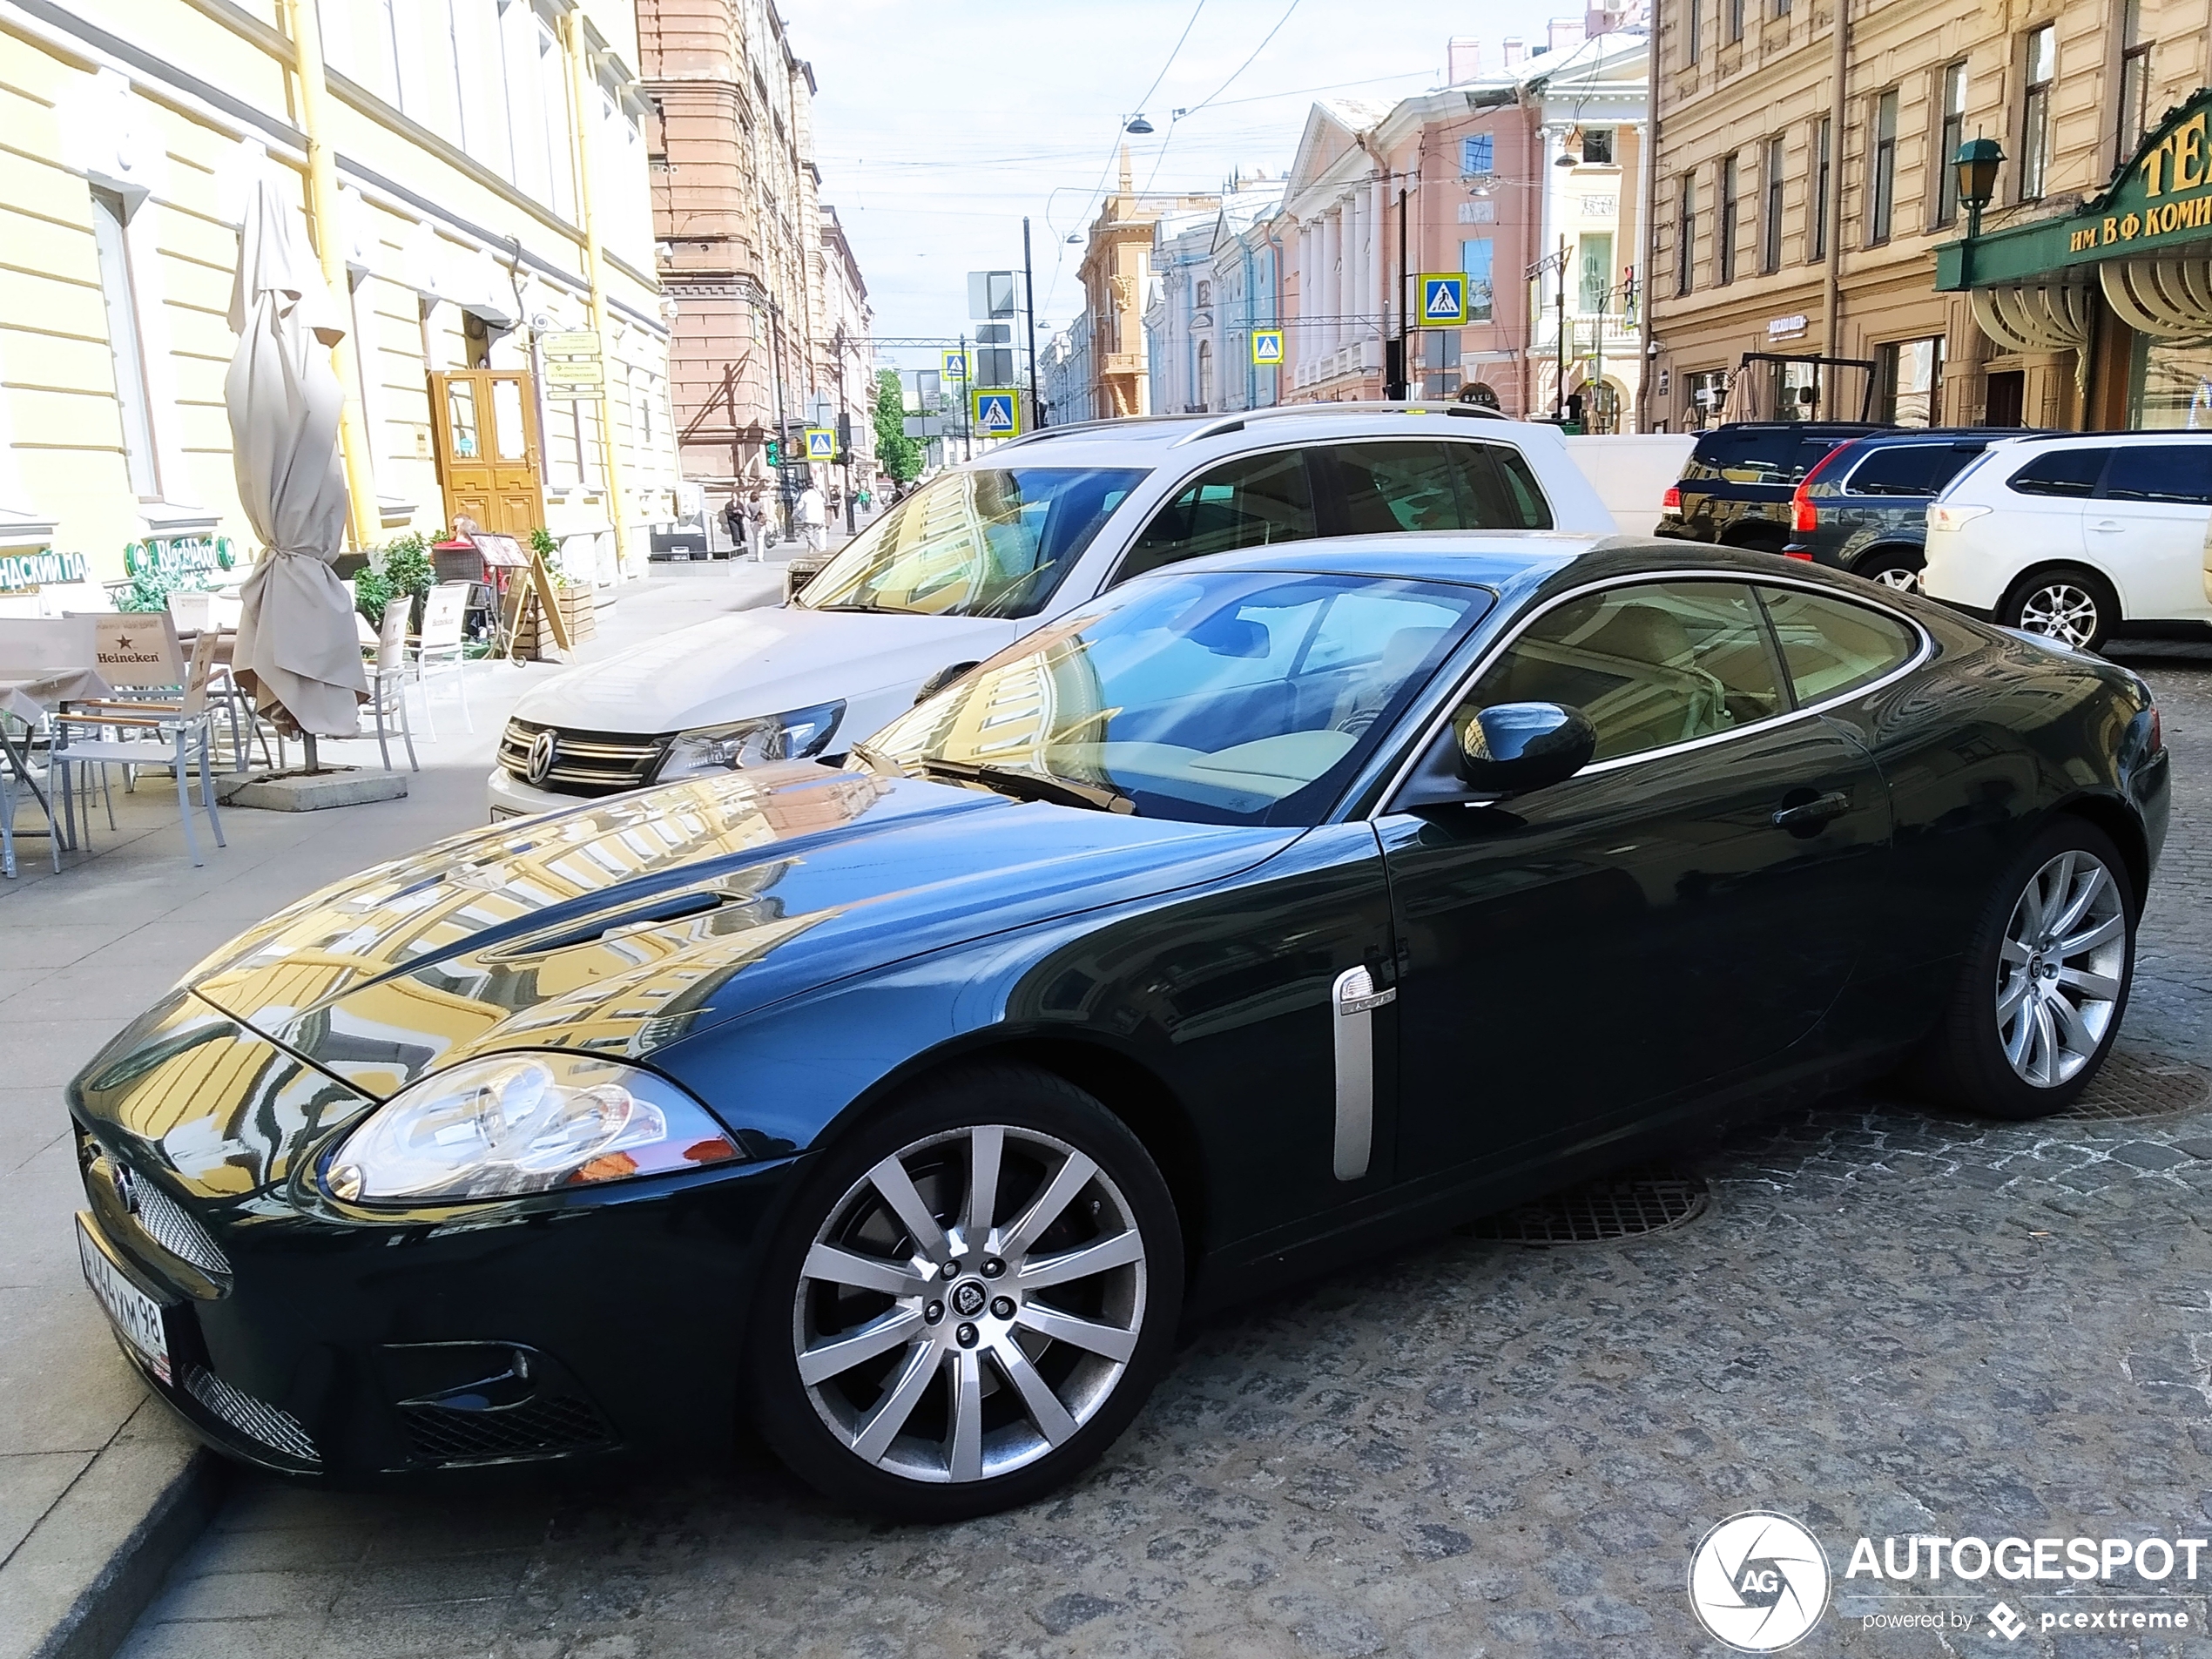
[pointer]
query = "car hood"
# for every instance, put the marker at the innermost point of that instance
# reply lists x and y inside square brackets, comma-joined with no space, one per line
[619,928]
[765,661]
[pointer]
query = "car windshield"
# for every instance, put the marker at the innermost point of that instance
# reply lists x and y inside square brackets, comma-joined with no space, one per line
[1210,696]
[991,542]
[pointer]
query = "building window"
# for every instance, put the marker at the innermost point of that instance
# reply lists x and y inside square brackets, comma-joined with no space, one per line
[1686,235]
[1951,132]
[2135,82]
[1770,222]
[1703,395]
[1736,9]
[1724,225]
[120,289]
[1817,209]
[1883,185]
[1597,273]
[1597,146]
[1911,380]
[1204,295]
[1475,260]
[2041,68]
[1780,8]
[1694,43]
[1477,154]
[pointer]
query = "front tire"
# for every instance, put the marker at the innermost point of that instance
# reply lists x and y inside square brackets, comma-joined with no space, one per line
[2071,605]
[2045,981]
[970,1298]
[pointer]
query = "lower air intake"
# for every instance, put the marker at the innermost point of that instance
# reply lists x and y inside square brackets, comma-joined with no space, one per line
[257,1420]
[539,1427]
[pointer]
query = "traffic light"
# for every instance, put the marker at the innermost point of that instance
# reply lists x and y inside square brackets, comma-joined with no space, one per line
[775,452]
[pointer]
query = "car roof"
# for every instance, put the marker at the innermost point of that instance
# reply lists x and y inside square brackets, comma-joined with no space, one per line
[1146,440]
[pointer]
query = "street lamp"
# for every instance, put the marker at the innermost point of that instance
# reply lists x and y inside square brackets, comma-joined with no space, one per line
[1136,125]
[1976,165]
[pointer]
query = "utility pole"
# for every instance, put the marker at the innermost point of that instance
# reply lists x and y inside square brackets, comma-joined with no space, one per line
[1029,315]
[1401,390]
[967,402]
[1558,390]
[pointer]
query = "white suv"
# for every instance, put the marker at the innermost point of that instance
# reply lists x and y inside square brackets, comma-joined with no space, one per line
[2076,535]
[986,552]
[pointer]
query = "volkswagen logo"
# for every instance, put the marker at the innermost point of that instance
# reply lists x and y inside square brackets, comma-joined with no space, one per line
[542,747]
[1758,1582]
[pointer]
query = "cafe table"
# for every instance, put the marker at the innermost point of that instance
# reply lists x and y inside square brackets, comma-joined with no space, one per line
[27,694]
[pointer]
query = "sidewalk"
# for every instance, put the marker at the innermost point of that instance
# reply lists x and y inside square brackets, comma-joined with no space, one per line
[99,1489]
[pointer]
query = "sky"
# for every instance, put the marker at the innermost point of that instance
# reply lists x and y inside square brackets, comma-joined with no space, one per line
[938,123]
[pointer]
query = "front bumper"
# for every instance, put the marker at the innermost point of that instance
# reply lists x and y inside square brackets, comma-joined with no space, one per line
[362,1353]
[507,796]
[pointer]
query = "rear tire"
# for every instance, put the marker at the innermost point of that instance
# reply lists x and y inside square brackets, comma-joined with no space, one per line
[1892,567]
[2067,603]
[988,1384]
[2044,983]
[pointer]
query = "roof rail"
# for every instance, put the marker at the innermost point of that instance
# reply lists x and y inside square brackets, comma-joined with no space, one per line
[1279,411]
[1077,428]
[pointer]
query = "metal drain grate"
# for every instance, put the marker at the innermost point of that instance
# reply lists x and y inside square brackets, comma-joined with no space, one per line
[2131,1086]
[1599,1210]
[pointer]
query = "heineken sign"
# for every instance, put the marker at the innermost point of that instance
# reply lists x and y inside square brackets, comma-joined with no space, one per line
[2159,200]
[27,572]
[177,555]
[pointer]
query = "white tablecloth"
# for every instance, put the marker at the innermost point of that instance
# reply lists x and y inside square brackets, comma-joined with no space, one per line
[28,693]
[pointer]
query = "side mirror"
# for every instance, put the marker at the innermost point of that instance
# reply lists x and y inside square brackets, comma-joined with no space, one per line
[1511,748]
[940,680]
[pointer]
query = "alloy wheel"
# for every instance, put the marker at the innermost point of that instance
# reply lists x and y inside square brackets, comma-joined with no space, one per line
[969,1303]
[2060,969]
[1903,577]
[2062,610]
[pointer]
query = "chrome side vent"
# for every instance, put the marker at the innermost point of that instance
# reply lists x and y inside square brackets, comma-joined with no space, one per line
[1353,1001]
[273,1427]
[168,1223]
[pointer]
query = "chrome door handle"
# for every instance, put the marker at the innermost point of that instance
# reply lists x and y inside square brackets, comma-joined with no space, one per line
[2108,527]
[1812,813]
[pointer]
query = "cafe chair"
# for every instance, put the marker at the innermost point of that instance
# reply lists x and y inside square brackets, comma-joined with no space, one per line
[149,734]
[387,678]
[442,650]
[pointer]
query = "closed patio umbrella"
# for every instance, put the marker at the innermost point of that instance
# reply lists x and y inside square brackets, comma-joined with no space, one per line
[298,650]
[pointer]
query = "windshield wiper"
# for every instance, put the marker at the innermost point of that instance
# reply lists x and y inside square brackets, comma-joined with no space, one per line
[1030,786]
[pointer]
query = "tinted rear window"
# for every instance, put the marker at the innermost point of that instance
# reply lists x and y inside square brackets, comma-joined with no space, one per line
[2174,472]
[2060,472]
[1766,457]
[1910,469]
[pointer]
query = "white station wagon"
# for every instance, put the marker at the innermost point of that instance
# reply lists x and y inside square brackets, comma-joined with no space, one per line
[989,550]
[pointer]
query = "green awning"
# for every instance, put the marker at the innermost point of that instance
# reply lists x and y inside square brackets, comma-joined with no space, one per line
[2157,204]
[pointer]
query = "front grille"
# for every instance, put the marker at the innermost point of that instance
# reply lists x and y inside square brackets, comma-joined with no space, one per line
[169,1226]
[539,1427]
[257,1420]
[585,763]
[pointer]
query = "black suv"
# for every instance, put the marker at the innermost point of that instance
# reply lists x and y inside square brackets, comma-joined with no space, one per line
[1864,508]
[1735,489]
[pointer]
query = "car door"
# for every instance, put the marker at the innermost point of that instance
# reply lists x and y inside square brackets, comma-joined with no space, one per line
[2037,515]
[2146,528]
[1248,501]
[1687,906]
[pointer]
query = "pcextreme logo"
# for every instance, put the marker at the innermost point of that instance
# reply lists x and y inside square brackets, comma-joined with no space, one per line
[1758,1582]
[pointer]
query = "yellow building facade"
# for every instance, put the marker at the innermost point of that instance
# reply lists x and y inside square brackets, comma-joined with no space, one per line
[485,216]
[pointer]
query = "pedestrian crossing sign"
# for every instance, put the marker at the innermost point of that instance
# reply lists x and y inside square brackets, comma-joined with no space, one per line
[1443,300]
[821,444]
[998,413]
[1267,347]
[955,364]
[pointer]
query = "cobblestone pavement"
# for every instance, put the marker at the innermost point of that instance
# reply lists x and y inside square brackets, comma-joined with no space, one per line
[1888,1323]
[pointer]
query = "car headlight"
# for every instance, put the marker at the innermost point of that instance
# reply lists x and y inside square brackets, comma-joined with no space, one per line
[798,735]
[514,1123]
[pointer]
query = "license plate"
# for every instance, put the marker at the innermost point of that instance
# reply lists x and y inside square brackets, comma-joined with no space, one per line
[137,1316]
[500,814]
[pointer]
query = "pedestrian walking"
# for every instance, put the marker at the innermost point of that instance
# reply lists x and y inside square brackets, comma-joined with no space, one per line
[808,515]
[753,517]
[734,521]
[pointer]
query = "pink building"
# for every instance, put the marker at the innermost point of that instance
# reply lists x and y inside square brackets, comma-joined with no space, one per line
[1528,181]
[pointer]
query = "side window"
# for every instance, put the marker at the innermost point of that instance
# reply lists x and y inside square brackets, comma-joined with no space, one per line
[1906,470]
[1429,484]
[1831,645]
[1651,664]
[2167,472]
[1254,501]
[2060,472]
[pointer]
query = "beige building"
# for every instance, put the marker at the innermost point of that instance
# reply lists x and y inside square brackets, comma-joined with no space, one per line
[486,199]
[1116,273]
[737,207]
[1801,190]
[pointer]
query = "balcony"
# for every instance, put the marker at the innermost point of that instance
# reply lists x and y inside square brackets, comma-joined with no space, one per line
[1359,357]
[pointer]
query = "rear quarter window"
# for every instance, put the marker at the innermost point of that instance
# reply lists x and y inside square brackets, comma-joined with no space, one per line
[1778,456]
[1910,470]
[2059,472]
[1832,647]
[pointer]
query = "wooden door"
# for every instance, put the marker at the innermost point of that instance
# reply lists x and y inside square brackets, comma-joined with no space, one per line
[485,422]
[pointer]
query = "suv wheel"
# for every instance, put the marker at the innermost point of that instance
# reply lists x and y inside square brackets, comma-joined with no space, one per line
[1894,569]
[2071,605]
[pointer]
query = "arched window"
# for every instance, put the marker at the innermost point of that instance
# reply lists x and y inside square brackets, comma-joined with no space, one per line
[1206,372]
[1205,293]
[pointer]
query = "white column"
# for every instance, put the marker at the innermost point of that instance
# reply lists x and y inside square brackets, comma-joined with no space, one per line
[1385,256]
[1335,223]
